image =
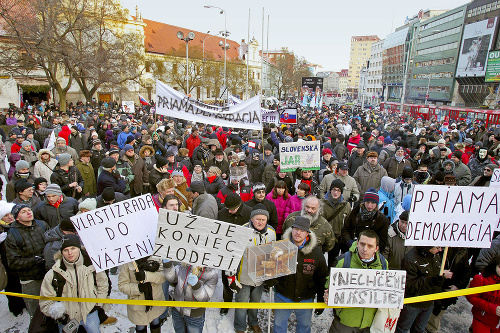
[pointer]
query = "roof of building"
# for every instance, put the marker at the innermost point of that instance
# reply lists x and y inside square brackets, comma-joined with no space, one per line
[162,38]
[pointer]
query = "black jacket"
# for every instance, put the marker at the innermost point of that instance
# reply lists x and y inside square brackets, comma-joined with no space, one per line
[215,186]
[96,159]
[63,179]
[106,179]
[222,165]
[270,207]
[312,271]
[255,169]
[52,215]
[155,177]
[241,217]
[21,258]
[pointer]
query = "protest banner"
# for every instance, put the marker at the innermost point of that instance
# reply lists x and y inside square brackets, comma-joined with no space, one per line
[199,241]
[304,155]
[271,117]
[119,233]
[495,178]
[128,106]
[366,288]
[175,104]
[455,216]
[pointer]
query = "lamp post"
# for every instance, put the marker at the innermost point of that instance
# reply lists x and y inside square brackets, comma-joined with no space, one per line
[188,38]
[225,34]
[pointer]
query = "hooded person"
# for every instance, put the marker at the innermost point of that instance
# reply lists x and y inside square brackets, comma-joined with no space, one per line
[22,171]
[404,185]
[45,164]
[386,197]
[68,177]
[478,162]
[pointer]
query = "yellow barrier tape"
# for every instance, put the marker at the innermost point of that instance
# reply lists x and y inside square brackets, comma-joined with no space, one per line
[234,305]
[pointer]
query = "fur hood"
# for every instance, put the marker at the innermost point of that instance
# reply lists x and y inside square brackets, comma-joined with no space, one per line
[144,148]
[310,244]
[43,151]
[394,231]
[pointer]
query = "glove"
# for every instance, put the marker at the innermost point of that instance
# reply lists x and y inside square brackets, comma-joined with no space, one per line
[116,174]
[318,312]
[140,275]
[63,320]
[352,198]
[3,235]
[192,279]
[234,284]
[39,260]
[142,288]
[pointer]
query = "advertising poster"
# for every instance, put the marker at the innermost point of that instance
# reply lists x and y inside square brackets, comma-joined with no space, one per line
[311,91]
[493,67]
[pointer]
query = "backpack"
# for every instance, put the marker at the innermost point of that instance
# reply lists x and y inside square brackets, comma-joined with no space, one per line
[389,152]
[17,235]
[348,255]
[58,281]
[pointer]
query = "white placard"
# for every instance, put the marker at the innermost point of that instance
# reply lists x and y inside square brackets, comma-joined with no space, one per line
[173,103]
[128,106]
[119,233]
[456,216]
[366,288]
[495,178]
[200,241]
[304,155]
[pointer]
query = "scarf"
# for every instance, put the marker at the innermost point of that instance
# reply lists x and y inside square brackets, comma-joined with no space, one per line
[57,203]
[482,181]
[149,266]
[197,177]
[399,158]
[366,215]
[211,179]
[333,201]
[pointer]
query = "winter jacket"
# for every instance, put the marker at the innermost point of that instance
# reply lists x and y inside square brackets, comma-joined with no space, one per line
[107,179]
[30,157]
[386,153]
[271,209]
[52,215]
[89,180]
[269,173]
[141,173]
[53,240]
[394,168]
[353,142]
[63,178]
[357,317]
[350,186]
[462,174]
[42,169]
[185,197]
[67,150]
[265,236]
[148,160]
[10,191]
[65,133]
[401,189]
[256,169]
[77,142]
[122,139]
[484,305]
[422,274]
[128,285]
[280,204]
[487,255]
[294,205]
[44,131]
[192,143]
[355,161]
[213,185]
[353,225]
[310,277]
[202,291]
[80,282]
[367,177]
[244,192]
[156,176]
[341,151]
[21,257]
[32,202]
[205,205]
[96,159]
[395,249]
[335,214]
[320,226]
[241,216]
[386,203]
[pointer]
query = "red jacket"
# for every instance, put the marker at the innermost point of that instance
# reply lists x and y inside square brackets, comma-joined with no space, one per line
[353,142]
[484,305]
[192,143]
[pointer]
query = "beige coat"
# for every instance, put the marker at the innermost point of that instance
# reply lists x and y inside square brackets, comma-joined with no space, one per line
[82,287]
[128,285]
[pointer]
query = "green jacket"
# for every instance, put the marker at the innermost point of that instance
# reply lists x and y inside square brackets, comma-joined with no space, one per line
[89,180]
[357,317]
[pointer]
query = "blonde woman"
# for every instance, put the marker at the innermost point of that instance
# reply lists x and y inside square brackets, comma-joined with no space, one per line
[213,181]
[164,187]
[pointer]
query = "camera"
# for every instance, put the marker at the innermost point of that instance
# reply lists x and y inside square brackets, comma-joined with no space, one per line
[71,327]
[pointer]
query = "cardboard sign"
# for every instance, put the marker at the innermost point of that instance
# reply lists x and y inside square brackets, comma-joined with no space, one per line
[456,216]
[495,178]
[366,288]
[304,155]
[119,233]
[200,241]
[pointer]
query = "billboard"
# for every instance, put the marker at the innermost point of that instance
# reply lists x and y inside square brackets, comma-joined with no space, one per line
[493,67]
[311,92]
[476,43]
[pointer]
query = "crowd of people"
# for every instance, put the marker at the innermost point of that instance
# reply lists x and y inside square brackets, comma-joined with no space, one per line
[352,213]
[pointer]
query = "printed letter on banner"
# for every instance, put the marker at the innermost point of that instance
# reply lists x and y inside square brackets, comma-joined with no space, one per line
[200,241]
[119,233]
[456,216]
[366,288]
[495,178]
[304,155]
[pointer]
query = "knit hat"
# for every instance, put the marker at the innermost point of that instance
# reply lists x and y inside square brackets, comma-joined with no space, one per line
[160,161]
[64,159]
[108,194]
[113,150]
[70,240]
[89,204]
[17,208]
[337,183]
[267,146]
[66,225]
[404,215]
[108,162]
[258,187]
[371,195]
[169,153]
[479,144]
[302,223]
[259,209]
[467,141]
[381,138]
[388,140]
[25,143]
[232,201]
[39,180]
[22,184]
[53,189]
[458,154]
[5,208]
[130,138]
[59,139]
[327,151]
[407,172]
[96,142]
[22,164]
[177,172]
[197,186]
[128,147]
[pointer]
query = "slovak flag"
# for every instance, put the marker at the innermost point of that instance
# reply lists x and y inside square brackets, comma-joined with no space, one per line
[142,100]
[288,116]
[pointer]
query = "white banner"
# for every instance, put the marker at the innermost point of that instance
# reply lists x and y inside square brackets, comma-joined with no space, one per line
[366,288]
[495,178]
[304,155]
[456,216]
[119,233]
[175,104]
[200,241]
[128,106]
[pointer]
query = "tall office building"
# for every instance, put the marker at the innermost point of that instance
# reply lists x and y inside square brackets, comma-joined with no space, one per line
[360,53]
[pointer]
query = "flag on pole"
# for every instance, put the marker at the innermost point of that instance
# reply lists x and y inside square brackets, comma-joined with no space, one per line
[142,100]
[52,140]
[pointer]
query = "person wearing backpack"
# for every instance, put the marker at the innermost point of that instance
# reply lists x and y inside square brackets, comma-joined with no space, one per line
[73,275]
[24,248]
[363,254]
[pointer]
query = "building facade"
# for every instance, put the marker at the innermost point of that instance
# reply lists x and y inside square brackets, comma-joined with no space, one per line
[360,53]
[373,82]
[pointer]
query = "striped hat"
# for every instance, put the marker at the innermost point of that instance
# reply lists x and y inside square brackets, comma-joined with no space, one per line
[371,195]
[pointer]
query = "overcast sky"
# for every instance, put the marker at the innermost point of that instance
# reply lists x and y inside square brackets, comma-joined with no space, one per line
[320,30]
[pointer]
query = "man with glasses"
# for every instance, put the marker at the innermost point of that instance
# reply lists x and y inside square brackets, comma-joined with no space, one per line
[350,192]
[485,178]
[259,196]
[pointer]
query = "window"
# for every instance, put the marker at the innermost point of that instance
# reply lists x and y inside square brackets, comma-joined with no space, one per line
[441,34]
[439,48]
[445,20]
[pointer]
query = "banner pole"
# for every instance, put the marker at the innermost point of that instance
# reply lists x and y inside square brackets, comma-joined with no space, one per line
[137,269]
[445,254]
[270,310]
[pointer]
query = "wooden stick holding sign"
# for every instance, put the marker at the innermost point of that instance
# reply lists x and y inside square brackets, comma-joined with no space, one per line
[445,254]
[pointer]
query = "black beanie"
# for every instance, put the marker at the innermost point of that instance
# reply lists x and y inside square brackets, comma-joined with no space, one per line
[108,194]
[405,215]
[70,240]
[66,225]
[338,184]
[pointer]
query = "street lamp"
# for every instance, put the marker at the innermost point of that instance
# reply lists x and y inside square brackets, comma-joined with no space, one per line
[225,33]
[188,38]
